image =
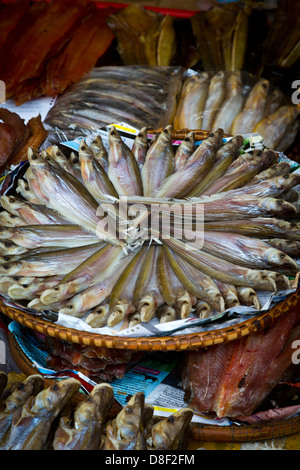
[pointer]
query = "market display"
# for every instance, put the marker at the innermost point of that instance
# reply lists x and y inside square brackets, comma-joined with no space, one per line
[239,105]
[63,40]
[113,94]
[83,263]
[159,194]
[36,417]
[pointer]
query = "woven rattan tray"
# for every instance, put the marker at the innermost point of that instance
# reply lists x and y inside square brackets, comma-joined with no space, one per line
[180,342]
[200,432]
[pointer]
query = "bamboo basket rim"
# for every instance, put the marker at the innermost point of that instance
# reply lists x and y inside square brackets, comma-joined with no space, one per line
[181,342]
[199,432]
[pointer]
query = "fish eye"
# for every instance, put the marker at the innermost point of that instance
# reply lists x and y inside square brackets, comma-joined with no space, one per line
[171,419]
[129,409]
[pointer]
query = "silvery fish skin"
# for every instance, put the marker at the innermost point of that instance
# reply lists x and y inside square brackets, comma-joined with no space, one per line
[229,293]
[243,174]
[274,127]
[196,282]
[159,162]
[278,169]
[121,297]
[225,156]
[215,99]
[66,195]
[248,251]
[198,165]
[253,110]
[290,247]
[260,227]
[95,294]
[31,214]
[146,296]
[94,176]
[6,282]
[50,263]
[123,169]
[93,270]
[170,286]
[184,150]
[223,270]
[232,104]
[31,426]
[289,137]
[34,236]
[98,316]
[89,418]
[189,111]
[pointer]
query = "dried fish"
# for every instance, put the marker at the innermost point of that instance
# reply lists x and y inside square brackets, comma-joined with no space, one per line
[171,432]
[84,433]
[126,432]
[30,426]
[159,162]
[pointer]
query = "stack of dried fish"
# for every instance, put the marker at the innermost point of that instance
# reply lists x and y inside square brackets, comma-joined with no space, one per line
[238,104]
[33,417]
[221,34]
[116,94]
[71,246]
[46,46]
[144,37]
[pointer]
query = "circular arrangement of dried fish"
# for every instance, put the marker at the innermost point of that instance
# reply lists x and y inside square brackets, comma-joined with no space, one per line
[126,236]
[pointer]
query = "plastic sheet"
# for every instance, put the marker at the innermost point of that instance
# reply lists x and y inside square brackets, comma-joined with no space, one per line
[239,103]
[107,95]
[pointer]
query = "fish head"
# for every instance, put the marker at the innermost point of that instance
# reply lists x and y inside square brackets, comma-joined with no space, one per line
[96,404]
[166,134]
[31,386]
[169,432]
[260,92]
[36,160]
[72,306]
[55,397]
[11,203]
[84,151]
[129,420]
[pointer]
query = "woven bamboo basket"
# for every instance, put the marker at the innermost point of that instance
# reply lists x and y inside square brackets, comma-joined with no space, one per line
[182,342]
[200,432]
[179,342]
